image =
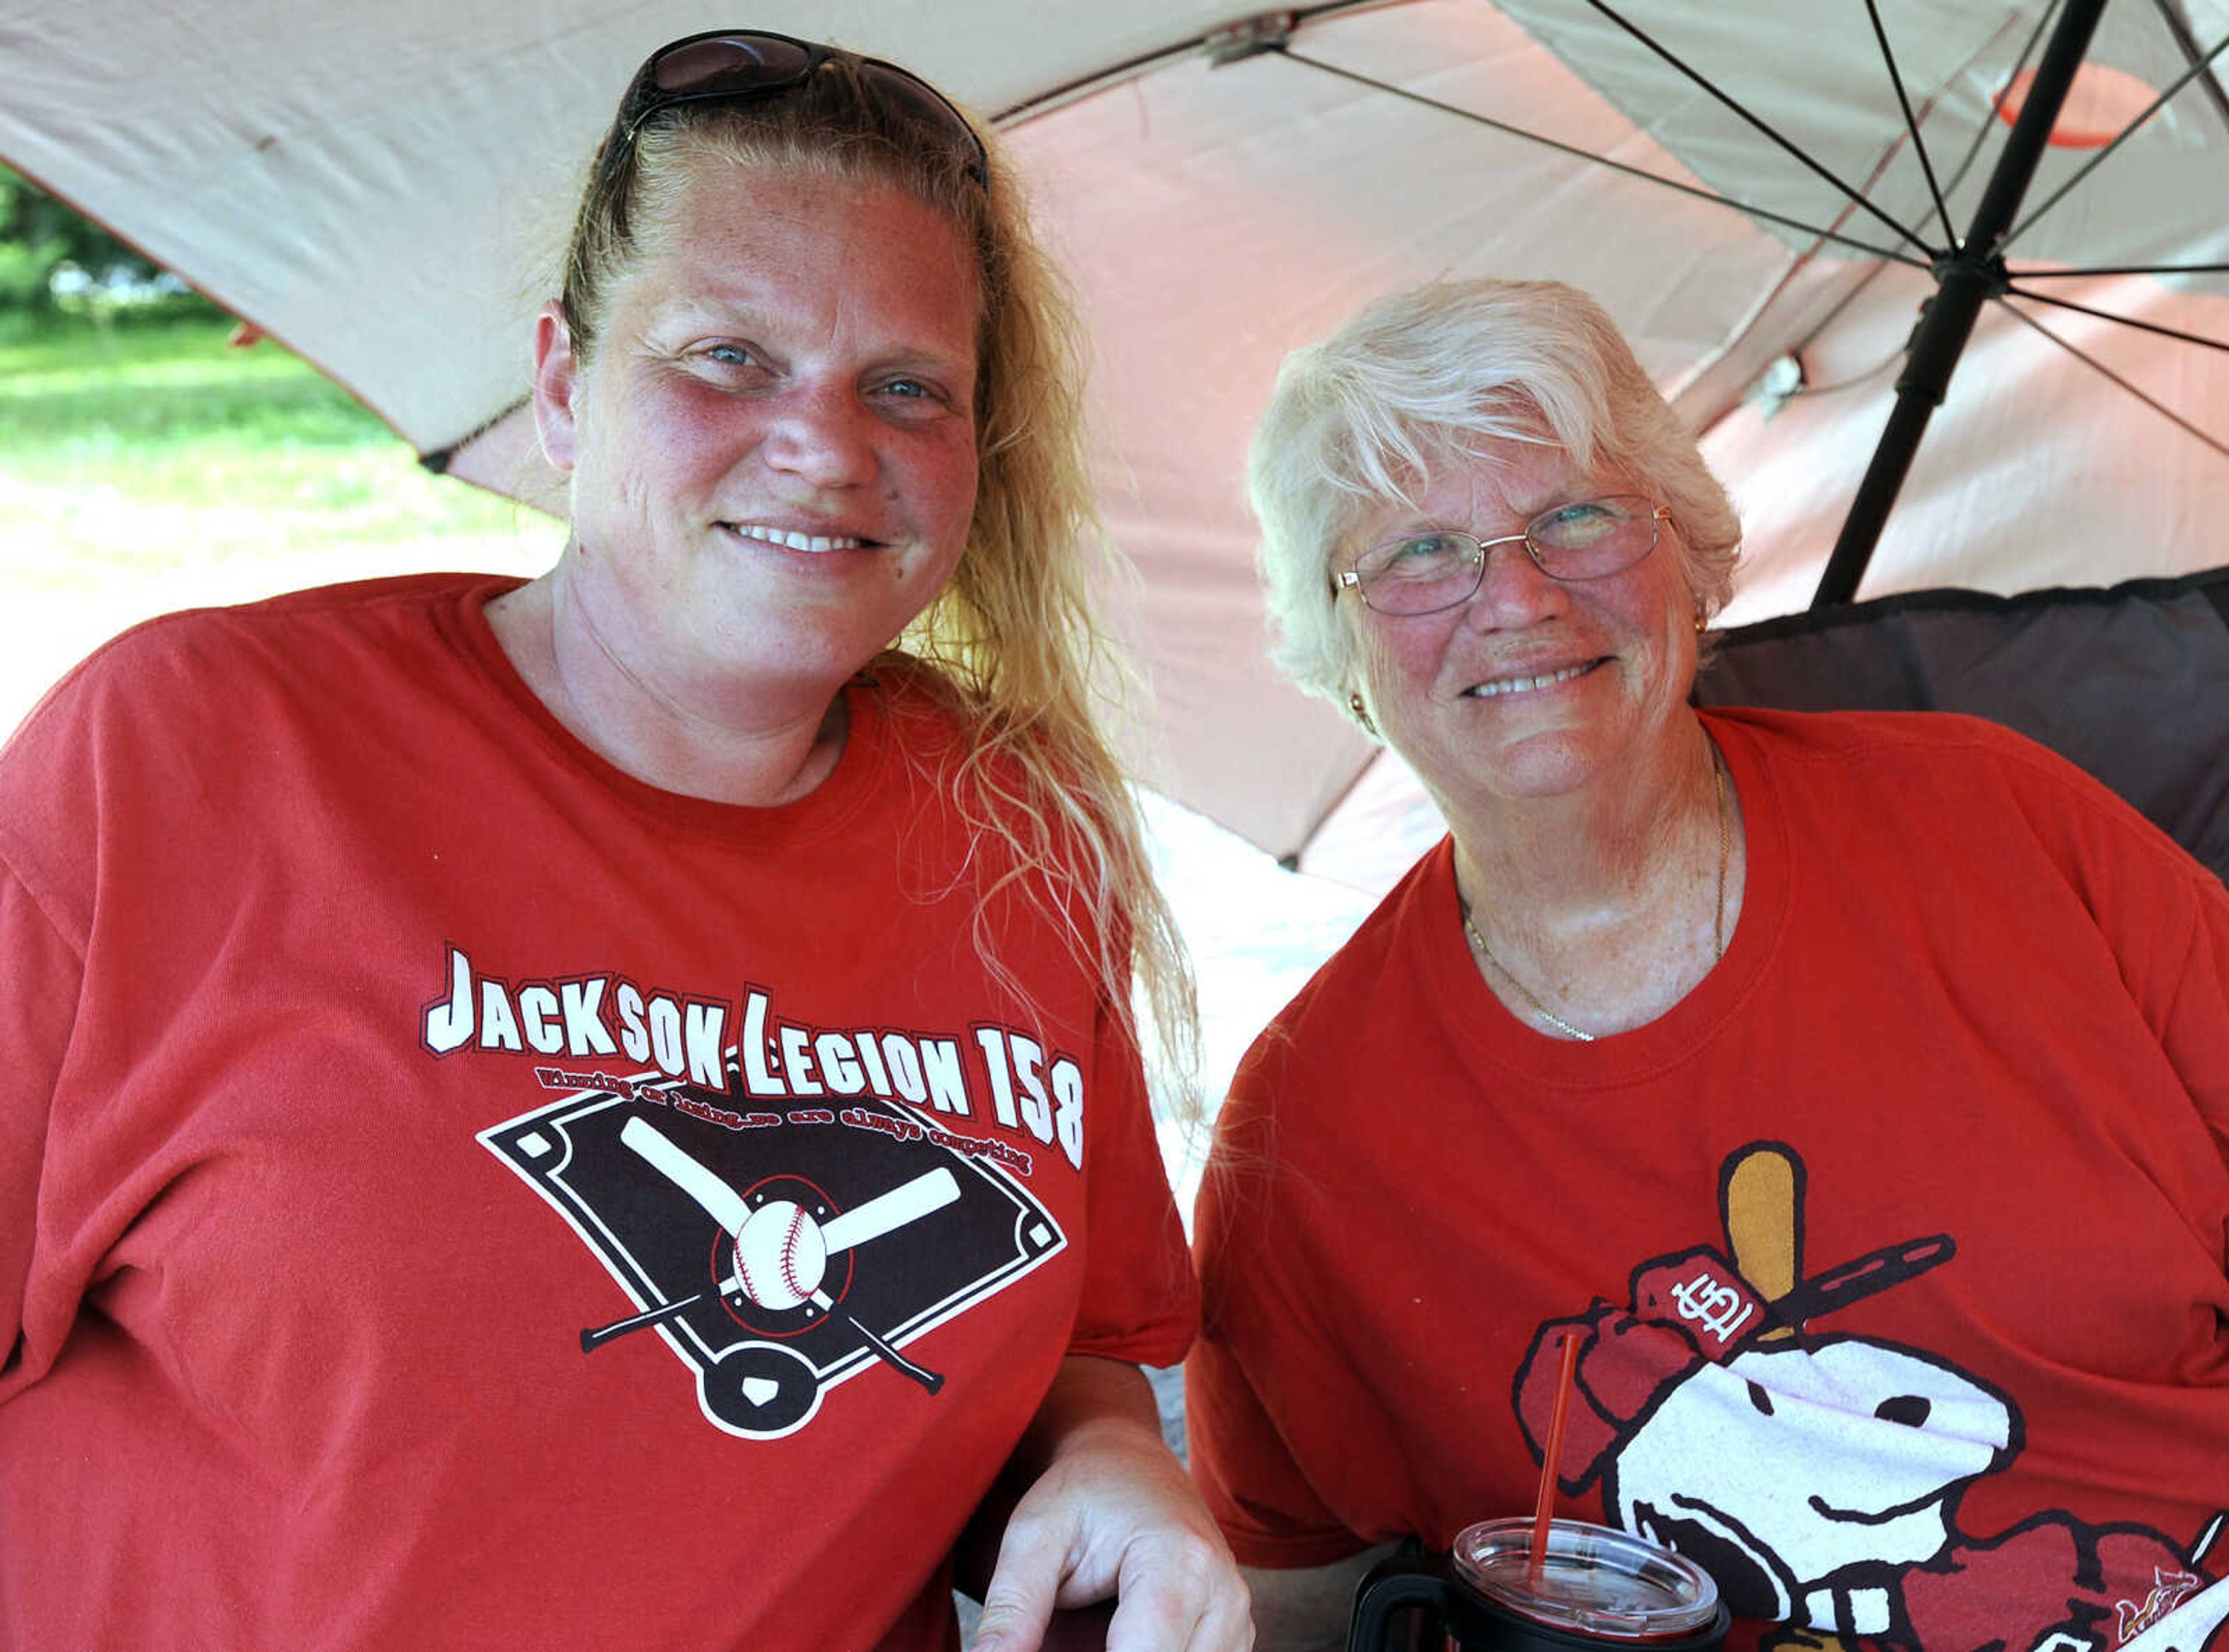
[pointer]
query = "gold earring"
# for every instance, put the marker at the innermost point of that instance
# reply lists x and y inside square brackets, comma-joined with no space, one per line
[1361,712]
[1702,622]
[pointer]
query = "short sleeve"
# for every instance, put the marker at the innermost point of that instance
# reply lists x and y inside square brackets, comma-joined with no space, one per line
[1269,1512]
[2195,1033]
[1140,1302]
[53,790]
[2164,915]
[2180,977]
[41,970]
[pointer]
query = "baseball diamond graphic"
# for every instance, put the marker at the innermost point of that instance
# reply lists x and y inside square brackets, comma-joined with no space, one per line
[781,1258]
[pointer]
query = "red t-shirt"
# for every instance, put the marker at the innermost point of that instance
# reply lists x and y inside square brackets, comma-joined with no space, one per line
[1898,1247]
[369,1040]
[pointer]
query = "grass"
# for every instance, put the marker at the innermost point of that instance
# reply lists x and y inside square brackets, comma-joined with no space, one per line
[251,443]
[150,467]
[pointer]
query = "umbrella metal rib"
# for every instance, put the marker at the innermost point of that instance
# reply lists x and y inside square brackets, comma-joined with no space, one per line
[1964,281]
[1856,196]
[1263,32]
[1959,176]
[2120,138]
[2098,367]
[2035,38]
[2118,269]
[2121,321]
[2178,28]
[1912,123]
[1577,153]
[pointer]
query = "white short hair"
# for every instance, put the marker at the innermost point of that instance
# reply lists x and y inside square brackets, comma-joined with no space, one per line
[1445,370]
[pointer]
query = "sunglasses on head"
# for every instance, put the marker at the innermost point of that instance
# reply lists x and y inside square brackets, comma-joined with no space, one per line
[741,64]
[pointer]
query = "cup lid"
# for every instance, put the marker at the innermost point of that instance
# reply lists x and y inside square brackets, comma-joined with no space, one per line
[1597,1578]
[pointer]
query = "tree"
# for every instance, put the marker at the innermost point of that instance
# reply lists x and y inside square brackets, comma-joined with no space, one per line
[38,235]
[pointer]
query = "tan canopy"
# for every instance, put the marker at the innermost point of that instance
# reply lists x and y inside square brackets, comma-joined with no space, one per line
[376,186]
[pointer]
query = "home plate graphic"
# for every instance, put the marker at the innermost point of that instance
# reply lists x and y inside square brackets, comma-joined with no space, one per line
[777,1253]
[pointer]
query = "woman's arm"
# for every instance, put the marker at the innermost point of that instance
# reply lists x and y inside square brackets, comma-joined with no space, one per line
[36,1009]
[1105,1513]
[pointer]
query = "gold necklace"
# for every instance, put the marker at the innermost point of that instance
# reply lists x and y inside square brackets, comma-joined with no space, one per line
[1717,929]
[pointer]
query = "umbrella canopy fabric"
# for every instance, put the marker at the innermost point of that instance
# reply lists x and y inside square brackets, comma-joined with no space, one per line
[380,190]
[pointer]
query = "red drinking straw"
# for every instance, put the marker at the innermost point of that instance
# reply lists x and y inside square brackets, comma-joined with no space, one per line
[1544,1506]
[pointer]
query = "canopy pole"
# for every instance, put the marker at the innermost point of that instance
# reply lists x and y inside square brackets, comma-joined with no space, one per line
[1965,279]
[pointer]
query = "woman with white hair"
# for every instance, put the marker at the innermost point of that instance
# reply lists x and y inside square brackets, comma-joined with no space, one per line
[1855,1088]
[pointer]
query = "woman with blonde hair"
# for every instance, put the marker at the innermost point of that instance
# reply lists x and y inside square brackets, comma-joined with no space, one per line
[606,1110]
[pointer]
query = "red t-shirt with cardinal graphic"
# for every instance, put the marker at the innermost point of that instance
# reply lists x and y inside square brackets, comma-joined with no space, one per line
[1896,1250]
[455,1196]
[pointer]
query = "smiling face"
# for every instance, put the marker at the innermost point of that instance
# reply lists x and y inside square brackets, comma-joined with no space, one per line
[773,446]
[1532,688]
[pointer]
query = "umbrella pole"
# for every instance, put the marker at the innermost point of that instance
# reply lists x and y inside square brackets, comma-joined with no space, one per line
[1965,278]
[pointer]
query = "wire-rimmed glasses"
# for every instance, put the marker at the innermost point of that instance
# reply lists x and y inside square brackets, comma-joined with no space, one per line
[1424,573]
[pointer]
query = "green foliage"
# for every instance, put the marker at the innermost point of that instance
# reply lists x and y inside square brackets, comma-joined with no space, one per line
[25,265]
[40,235]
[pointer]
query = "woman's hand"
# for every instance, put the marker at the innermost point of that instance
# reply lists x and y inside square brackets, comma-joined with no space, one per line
[1111,1515]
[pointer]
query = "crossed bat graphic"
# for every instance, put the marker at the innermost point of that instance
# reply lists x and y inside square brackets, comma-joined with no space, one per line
[780,1252]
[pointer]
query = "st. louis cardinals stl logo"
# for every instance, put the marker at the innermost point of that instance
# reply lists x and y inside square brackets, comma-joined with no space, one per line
[1817,1473]
[778,1252]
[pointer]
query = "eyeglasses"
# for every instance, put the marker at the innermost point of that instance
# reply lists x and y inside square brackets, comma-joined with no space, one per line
[746,63]
[1423,573]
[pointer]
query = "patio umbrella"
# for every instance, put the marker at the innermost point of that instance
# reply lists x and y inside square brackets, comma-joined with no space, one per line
[372,186]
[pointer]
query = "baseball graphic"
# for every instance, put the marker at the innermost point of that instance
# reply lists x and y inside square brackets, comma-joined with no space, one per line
[780,1256]
[781,1253]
